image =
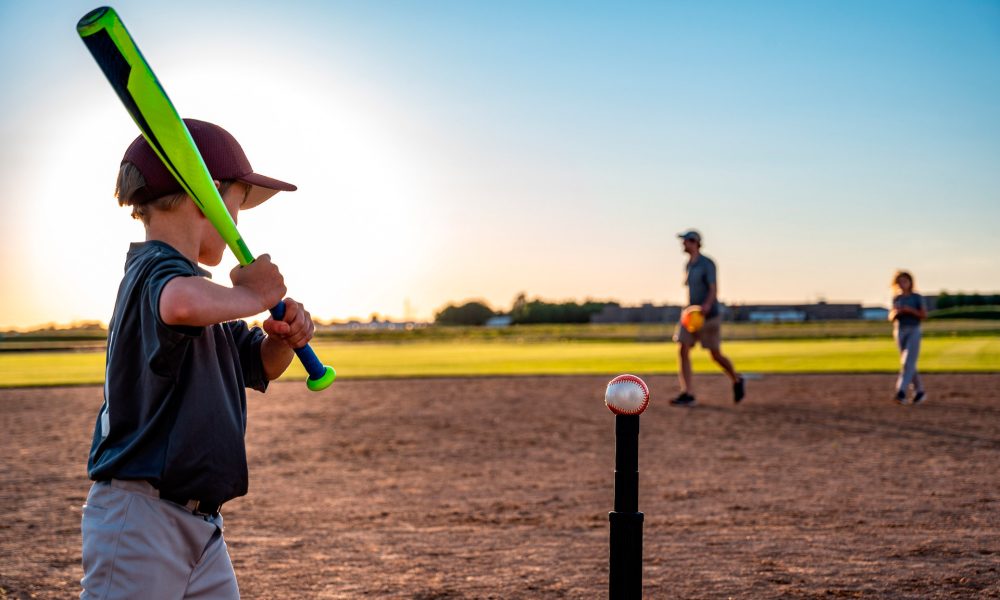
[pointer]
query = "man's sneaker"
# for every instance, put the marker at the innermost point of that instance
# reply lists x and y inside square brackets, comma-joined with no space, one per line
[739,390]
[900,397]
[685,399]
[919,396]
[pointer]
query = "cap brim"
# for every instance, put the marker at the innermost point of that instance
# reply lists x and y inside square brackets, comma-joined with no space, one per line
[262,188]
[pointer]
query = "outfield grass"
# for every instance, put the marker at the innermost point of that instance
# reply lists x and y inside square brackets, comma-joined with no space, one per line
[663,332]
[452,358]
[88,339]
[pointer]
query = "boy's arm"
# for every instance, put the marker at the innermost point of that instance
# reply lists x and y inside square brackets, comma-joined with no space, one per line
[199,302]
[276,356]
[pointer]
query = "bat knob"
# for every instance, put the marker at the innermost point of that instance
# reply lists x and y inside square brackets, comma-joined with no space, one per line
[322,382]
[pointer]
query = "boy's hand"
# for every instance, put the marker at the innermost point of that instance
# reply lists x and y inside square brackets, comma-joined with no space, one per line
[262,279]
[295,329]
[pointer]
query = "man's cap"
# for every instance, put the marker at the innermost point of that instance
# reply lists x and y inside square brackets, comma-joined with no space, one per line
[690,234]
[223,156]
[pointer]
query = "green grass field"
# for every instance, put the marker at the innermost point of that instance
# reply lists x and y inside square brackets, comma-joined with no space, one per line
[508,357]
[85,339]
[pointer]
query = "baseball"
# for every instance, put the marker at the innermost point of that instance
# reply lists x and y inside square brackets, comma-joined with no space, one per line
[692,319]
[627,395]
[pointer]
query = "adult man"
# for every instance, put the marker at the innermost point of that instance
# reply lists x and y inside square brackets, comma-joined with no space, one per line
[703,291]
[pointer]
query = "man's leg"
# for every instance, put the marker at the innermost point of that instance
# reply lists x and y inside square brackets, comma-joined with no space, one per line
[711,340]
[739,385]
[685,341]
[725,363]
[686,397]
[684,373]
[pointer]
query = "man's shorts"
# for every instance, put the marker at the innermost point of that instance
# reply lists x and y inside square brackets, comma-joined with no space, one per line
[710,335]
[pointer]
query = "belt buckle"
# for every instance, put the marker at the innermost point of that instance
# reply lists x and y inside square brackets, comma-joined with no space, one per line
[197,507]
[204,509]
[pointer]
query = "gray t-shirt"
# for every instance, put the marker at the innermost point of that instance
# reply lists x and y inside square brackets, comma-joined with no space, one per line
[701,275]
[174,410]
[912,300]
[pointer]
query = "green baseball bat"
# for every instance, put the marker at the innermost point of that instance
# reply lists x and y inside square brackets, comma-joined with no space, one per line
[144,98]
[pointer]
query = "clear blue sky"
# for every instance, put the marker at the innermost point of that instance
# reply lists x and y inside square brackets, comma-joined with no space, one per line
[453,150]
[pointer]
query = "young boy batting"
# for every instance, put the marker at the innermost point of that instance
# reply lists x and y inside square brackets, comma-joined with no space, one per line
[168,448]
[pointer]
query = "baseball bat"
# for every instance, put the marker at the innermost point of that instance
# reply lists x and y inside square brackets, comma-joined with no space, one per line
[144,98]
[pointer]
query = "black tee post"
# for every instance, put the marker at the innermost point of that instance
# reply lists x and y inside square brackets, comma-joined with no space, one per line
[626,520]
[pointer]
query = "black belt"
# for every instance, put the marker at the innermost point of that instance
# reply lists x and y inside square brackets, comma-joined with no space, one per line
[198,507]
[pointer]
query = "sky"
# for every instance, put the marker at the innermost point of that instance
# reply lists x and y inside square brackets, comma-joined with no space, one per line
[447,151]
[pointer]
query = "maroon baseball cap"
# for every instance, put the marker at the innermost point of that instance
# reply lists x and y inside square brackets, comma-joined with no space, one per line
[223,156]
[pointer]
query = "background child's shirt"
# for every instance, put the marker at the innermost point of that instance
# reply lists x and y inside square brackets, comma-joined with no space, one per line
[914,301]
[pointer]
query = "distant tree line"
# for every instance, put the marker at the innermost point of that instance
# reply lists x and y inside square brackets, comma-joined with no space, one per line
[470,313]
[523,311]
[946,300]
[539,311]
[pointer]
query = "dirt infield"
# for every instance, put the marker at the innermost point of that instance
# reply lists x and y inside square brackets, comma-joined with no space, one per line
[815,487]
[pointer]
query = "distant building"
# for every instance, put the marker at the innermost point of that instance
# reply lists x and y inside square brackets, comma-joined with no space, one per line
[499,321]
[875,313]
[374,324]
[756,313]
[778,313]
[647,313]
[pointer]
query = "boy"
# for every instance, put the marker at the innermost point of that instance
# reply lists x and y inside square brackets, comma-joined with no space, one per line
[168,445]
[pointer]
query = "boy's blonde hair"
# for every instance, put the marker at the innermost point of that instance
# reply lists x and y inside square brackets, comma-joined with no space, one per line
[130,181]
[902,273]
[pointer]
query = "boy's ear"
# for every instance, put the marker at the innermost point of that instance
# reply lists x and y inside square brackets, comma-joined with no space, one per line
[218,184]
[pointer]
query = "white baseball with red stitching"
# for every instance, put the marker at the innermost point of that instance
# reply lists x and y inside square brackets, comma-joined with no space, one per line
[627,395]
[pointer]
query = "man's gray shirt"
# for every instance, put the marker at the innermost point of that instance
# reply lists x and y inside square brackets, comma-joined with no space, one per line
[174,410]
[701,275]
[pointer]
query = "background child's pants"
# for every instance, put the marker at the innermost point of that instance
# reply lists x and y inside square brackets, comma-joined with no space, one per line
[908,340]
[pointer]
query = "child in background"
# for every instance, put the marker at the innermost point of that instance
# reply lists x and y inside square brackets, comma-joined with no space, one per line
[908,310]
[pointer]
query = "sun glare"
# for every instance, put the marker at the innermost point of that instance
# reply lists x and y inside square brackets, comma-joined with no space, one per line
[354,230]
